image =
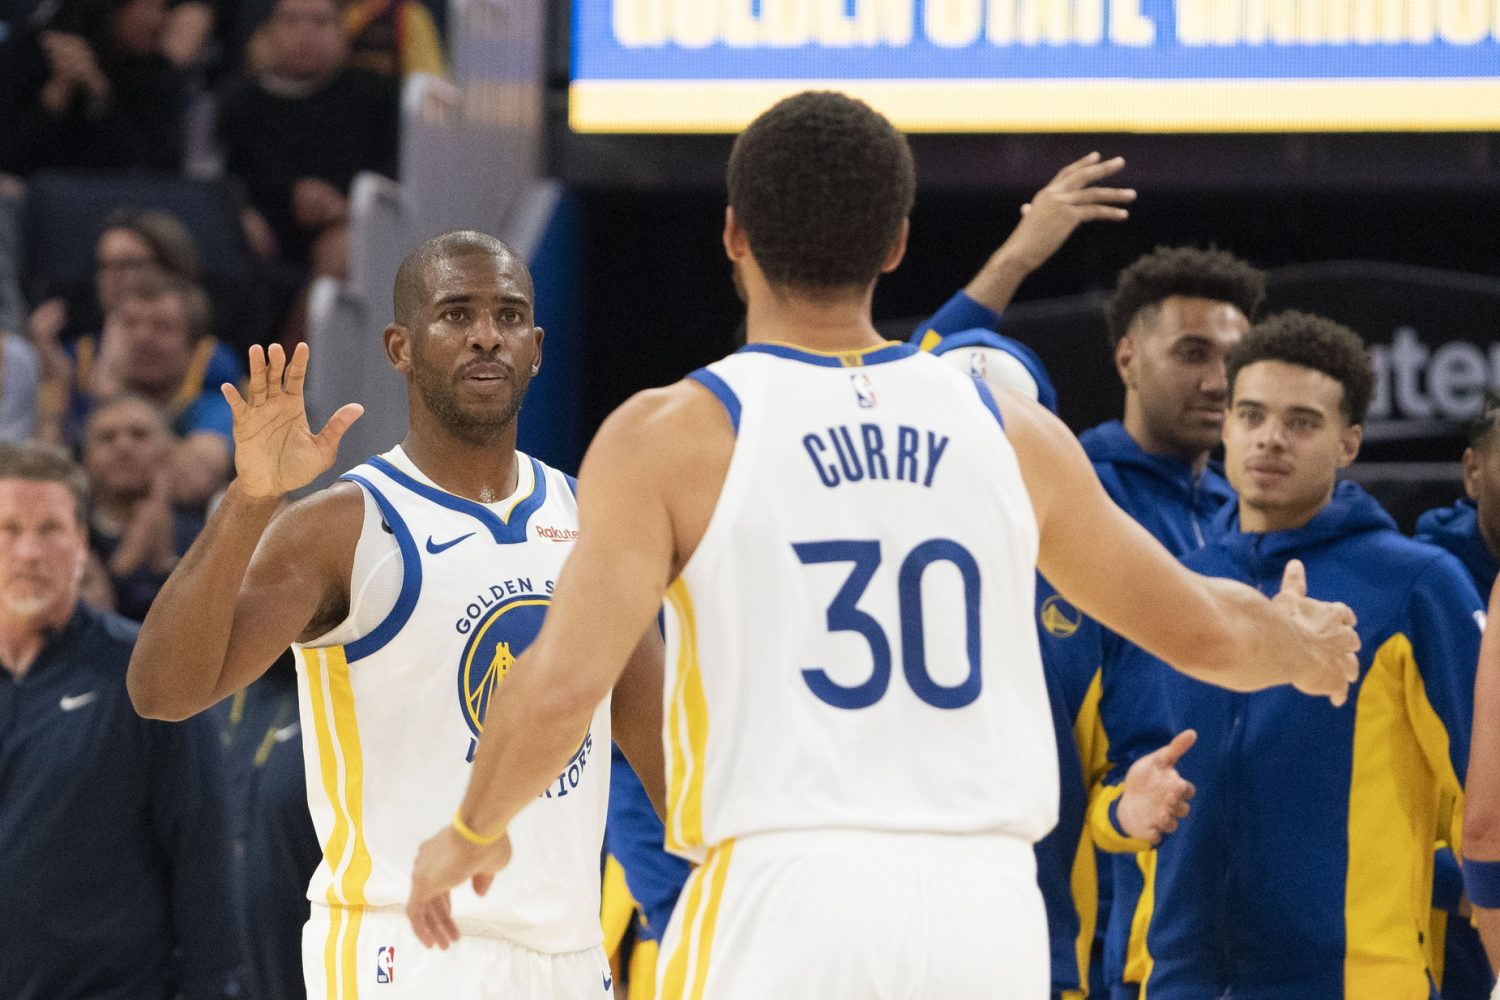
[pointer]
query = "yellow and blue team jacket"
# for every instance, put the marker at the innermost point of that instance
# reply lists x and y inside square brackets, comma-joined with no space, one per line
[1461,967]
[642,881]
[1306,866]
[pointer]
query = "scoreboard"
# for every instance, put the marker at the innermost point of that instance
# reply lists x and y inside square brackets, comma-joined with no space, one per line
[1036,66]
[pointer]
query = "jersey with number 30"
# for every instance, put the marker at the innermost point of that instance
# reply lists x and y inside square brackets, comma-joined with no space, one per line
[851,645]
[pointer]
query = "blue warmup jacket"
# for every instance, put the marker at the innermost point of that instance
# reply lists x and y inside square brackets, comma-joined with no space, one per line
[1462,969]
[1177,504]
[114,848]
[1305,869]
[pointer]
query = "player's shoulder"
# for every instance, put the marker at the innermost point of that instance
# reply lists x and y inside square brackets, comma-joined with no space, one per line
[325,523]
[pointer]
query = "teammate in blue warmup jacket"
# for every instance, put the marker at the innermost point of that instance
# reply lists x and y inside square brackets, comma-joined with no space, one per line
[1173,317]
[1466,529]
[1305,869]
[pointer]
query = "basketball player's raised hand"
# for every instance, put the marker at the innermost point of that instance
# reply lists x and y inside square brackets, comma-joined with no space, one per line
[444,862]
[1155,796]
[275,451]
[1327,662]
[1069,200]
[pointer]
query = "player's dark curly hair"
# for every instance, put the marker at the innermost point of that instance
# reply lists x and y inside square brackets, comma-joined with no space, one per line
[1187,271]
[821,184]
[1482,427]
[1300,338]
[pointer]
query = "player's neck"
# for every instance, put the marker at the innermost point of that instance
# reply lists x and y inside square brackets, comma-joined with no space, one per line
[482,473]
[831,325]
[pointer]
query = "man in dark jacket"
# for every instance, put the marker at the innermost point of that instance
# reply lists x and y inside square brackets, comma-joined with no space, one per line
[89,89]
[113,849]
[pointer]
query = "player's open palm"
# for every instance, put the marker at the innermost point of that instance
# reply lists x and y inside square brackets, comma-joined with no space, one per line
[1155,797]
[1070,199]
[275,451]
[1327,663]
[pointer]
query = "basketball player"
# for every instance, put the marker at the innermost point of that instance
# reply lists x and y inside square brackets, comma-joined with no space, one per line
[408,588]
[847,533]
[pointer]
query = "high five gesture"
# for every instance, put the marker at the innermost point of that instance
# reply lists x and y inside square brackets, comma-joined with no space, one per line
[275,450]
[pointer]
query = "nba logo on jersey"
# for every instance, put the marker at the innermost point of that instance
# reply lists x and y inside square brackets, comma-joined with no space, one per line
[499,636]
[864,390]
[977,366]
[385,964]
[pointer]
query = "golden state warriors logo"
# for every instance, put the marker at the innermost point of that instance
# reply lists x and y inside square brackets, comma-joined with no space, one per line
[495,642]
[1059,617]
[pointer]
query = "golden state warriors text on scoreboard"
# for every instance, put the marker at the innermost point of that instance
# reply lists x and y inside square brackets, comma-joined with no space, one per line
[1044,65]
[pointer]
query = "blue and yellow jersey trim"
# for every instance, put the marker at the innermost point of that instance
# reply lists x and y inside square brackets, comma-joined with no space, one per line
[687,729]
[507,527]
[865,356]
[345,853]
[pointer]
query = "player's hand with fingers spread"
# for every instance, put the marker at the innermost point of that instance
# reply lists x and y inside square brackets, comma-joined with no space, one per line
[443,862]
[1328,662]
[275,451]
[1069,199]
[1155,796]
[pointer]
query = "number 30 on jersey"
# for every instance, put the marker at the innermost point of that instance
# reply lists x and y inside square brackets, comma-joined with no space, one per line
[844,615]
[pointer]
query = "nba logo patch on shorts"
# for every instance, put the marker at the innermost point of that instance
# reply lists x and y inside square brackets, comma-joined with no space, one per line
[385,964]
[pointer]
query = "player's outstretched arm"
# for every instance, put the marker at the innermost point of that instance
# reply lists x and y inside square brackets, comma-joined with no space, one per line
[608,594]
[243,593]
[1070,199]
[1481,835]
[1215,630]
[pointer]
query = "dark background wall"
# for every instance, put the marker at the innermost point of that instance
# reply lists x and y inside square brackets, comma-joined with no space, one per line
[658,301]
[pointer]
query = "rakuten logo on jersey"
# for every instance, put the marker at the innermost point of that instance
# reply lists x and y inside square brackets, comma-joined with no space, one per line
[552,534]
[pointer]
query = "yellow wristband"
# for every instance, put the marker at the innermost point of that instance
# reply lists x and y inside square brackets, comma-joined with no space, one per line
[468,834]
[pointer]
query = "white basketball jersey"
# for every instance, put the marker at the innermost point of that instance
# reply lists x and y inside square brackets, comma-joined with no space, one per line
[393,702]
[851,646]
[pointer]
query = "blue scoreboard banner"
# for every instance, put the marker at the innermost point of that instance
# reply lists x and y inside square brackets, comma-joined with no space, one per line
[1044,65]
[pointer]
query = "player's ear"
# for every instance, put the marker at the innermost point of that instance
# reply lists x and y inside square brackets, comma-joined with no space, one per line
[736,240]
[398,348]
[1471,473]
[898,248]
[1124,353]
[536,362]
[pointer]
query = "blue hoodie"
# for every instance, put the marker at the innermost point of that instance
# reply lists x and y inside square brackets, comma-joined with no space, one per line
[1305,868]
[1456,529]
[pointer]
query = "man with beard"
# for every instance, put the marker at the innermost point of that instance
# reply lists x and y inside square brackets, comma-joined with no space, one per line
[408,588]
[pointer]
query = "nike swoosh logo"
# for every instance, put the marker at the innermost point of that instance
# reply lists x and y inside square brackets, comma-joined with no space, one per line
[77,701]
[287,732]
[435,548]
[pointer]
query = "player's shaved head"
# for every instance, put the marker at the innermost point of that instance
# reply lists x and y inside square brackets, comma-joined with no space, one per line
[412,290]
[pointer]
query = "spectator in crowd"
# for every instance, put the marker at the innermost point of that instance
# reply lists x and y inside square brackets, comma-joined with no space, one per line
[113,849]
[134,527]
[1470,529]
[297,134]
[1306,867]
[90,89]
[395,38]
[157,345]
[131,243]
[20,376]
[272,829]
